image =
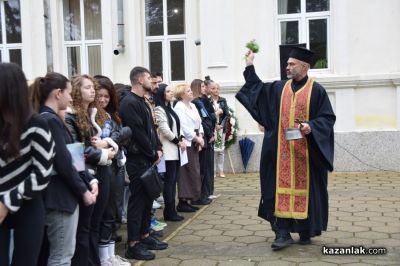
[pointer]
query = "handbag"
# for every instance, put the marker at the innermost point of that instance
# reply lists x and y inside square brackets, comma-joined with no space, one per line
[152,182]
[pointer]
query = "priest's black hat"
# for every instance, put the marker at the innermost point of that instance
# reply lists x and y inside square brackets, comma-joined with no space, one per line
[302,54]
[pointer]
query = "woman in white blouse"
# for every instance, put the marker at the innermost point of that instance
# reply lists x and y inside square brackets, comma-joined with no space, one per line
[189,181]
[169,129]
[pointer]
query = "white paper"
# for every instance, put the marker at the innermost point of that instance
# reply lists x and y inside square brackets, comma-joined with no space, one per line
[161,165]
[77,150]
[184,157]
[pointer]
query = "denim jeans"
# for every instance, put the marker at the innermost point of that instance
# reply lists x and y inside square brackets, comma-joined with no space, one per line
[61,233]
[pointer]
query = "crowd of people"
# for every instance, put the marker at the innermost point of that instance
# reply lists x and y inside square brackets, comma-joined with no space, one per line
[67,206]
[69,214]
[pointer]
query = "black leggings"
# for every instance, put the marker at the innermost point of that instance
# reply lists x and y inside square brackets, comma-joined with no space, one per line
[170,176]
[28,225]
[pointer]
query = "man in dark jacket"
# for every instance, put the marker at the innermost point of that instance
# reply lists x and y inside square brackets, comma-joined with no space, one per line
[143,151]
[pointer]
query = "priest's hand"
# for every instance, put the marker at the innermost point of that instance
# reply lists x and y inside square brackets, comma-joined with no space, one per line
[305,128]
[249,57]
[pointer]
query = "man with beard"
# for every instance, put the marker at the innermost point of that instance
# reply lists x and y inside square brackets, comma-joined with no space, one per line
[143,151]
[293,168]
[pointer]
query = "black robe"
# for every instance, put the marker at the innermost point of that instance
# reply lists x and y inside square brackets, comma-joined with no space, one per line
[262,100]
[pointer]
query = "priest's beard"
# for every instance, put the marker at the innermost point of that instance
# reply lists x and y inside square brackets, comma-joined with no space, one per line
[293,75]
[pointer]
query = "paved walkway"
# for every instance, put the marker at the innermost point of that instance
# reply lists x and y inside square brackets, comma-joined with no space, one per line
[364,211]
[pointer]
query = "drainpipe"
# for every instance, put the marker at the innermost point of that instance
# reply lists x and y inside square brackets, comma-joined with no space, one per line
[121,42]
[47,28]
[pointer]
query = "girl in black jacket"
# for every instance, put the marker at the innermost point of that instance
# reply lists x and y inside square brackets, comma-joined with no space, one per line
[51,94]
[85,122]
[112,216]
[208,119]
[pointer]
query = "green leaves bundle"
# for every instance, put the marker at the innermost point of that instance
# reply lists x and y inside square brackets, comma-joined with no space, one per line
[253,46]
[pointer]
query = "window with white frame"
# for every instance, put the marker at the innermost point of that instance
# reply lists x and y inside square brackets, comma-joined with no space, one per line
[165,38]
[306,21]
[10,32]
[83,40]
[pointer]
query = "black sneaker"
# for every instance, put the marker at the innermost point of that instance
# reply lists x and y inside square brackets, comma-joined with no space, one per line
[184,207]
[157,233]
[153,243]
[305,238]
[139,252]
[282,240]
[173,217]
[201,202]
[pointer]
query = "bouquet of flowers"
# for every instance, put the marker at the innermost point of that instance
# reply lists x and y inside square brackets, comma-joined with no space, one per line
[218,141]
[231,129]
[253,46]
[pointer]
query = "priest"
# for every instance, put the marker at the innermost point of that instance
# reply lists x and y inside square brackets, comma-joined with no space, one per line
[297,150]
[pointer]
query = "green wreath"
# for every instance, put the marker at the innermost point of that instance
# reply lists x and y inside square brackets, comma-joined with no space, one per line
[231,129]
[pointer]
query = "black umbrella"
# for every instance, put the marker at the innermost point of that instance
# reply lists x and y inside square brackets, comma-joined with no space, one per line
[246,148]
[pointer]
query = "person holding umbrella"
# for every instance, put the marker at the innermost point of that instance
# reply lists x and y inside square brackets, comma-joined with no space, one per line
[297,151]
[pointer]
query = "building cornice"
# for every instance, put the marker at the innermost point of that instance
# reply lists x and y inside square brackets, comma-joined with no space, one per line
[335,83]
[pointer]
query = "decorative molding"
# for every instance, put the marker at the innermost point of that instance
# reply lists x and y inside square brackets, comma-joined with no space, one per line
[333,84]
[218,65]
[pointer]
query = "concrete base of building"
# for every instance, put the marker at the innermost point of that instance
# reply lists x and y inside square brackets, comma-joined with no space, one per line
[354,152]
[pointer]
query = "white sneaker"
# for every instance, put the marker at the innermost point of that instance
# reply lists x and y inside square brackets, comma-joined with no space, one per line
[119,261]
[213,196]
[106,262]
[160,199]
[156,205]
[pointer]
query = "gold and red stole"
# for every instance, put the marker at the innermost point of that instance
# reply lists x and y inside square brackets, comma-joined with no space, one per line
[292,167]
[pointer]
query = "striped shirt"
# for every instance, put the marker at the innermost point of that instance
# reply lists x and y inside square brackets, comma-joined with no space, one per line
[24,177]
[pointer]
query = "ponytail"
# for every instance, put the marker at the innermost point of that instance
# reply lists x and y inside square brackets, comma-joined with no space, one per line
[43,86]
[36,93]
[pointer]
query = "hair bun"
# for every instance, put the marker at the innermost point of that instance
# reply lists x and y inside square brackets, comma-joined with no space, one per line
[207,78]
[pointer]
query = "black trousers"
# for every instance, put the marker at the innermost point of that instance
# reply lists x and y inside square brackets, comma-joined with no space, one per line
[28,225]
[206,157]
[112,216]
[281,224]
[170,177]
[81,254]
[103,175]
[139,204]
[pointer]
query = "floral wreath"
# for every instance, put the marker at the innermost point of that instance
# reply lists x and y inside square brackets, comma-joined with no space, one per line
[231,129]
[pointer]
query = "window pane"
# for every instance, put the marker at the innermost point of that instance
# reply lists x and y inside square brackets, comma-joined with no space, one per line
[289,6]
[92,19]
[94,59]
[154,17]
[289,32]
[74,61]
[15,56]
[317,5]
[13,21]
[176,16]
[72,20]
[318,43]
[177,60]
[155,57]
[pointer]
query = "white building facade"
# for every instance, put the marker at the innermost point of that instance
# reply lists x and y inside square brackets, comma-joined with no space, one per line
[356,43]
